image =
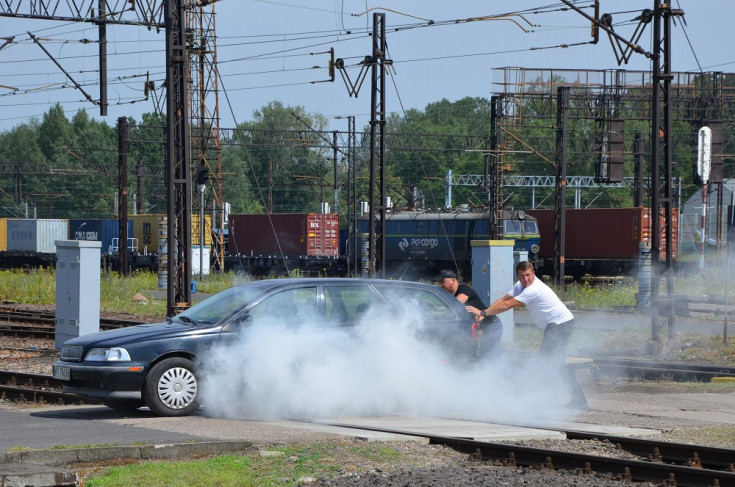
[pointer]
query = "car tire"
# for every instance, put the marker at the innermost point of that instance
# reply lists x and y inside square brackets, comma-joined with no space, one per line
[124,405]
[171,388]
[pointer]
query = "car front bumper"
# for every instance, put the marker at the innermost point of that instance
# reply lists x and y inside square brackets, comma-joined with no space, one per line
[118,381]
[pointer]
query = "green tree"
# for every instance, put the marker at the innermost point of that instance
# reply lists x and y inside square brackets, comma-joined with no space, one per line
[425,144]
[287,173]
[147,155]
[22,164]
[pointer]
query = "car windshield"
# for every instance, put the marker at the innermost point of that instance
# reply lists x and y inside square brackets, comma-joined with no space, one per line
[221,305]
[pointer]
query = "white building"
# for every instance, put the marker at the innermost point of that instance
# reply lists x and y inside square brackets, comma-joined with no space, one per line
[690,221]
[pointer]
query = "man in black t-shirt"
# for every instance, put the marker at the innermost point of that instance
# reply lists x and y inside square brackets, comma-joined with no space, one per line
[489,327]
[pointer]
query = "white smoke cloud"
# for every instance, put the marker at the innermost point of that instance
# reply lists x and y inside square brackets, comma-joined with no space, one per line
[380,367]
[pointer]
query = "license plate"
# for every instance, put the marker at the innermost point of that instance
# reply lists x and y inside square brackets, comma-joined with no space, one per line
[61,372]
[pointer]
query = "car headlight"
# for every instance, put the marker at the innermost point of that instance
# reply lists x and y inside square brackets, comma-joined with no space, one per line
[534,249]
[115,354]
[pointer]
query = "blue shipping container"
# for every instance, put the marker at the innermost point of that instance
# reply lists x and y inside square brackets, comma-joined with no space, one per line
[100,230]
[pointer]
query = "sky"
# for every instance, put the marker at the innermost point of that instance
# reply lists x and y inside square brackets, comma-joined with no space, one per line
[271,50]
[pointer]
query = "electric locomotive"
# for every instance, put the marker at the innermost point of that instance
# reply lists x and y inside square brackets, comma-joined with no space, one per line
[420,244]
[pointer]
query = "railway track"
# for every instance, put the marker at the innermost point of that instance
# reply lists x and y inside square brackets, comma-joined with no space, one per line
[653,370]
[33,388]
[665,464]
[41,324]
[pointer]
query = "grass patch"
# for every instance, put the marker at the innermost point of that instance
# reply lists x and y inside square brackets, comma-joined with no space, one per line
[38,286]
[600,296]
[289,466]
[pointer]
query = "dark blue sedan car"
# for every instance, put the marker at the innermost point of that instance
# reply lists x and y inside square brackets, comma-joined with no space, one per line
[157,364]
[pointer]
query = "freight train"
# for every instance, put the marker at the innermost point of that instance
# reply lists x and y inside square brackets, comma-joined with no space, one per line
[31,242]
[418,244]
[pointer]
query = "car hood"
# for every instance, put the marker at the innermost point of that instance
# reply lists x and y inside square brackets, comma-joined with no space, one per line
[138,333]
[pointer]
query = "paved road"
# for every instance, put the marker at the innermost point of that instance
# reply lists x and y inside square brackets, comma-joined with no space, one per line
[77,425]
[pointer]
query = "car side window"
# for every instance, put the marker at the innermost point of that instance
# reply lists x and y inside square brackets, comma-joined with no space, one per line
[289,305]
[345,305]
[431,304]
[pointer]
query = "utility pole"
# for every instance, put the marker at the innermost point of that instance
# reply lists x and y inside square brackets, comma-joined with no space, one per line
[377,63]
[560,206]
[661,168]
[377,211]
[204,121]
[122,214]
[178,178]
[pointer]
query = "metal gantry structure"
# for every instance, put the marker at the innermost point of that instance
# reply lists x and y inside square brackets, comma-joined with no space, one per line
[204,112]
[659,102]
[190,40]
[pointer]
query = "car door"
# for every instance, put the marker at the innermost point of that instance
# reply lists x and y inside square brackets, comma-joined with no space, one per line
[348,303]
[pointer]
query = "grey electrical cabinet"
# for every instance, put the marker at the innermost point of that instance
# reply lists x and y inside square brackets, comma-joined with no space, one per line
[493,275]
[77,289]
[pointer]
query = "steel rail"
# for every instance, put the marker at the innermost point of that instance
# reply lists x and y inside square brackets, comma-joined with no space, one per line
[685,475]
[698,456]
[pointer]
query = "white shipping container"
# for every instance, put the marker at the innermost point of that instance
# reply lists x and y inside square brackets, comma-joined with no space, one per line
[205,256]
[36,235]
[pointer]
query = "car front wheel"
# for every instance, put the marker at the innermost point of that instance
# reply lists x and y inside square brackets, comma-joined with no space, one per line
[171,388]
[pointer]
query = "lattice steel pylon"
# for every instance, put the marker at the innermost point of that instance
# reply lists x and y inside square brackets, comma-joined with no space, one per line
[204,118]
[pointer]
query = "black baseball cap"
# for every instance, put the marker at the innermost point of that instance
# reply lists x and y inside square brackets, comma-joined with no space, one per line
[446,273]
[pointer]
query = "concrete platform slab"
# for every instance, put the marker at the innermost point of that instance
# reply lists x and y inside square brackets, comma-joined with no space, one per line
[596,428]
[448,427]
[347,430]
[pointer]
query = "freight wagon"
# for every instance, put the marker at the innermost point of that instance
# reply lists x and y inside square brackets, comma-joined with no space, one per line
[275,244]
[32,242]
[600,241]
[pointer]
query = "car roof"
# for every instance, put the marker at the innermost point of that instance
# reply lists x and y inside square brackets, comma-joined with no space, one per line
[290,281]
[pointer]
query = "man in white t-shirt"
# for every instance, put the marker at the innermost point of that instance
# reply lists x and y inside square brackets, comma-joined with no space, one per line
[546,311]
